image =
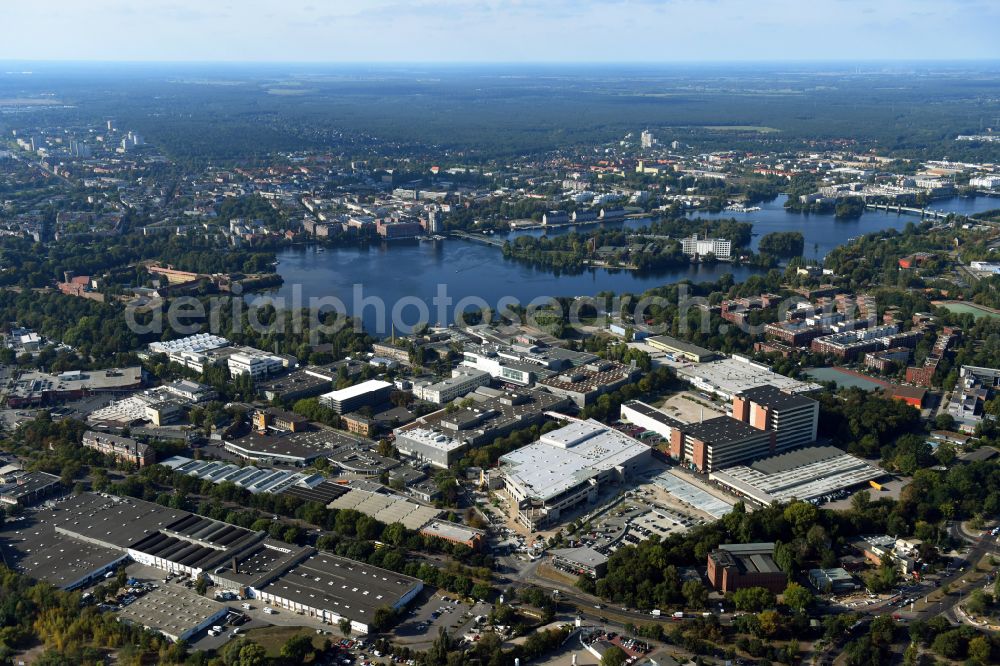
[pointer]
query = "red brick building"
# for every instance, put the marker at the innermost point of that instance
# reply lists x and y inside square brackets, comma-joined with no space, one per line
[734,566]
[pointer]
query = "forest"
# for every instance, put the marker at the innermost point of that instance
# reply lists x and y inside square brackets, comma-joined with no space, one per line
[483,112]
[647,248]
[783,244]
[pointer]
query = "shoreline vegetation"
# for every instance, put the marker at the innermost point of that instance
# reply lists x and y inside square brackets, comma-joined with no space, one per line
[652,248]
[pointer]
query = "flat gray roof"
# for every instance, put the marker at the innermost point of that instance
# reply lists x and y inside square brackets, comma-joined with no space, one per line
[803,474]
[681,345]
[116,522]
[564,458]
[35,549]
[722,429]
[173,610]
[653,413]
[584,556]
[261,563]
[791,459]
[348,588]
[776,398]
[27,484]
[453,531]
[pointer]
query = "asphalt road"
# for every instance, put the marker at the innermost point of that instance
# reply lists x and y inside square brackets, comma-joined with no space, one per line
[959,581]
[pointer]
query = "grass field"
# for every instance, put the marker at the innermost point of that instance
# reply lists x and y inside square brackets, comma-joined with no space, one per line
[969,308]
[272,638]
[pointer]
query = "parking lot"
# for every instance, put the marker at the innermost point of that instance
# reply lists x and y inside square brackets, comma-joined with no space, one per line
[690,407]
[420,626]
[254,615]
[644,512]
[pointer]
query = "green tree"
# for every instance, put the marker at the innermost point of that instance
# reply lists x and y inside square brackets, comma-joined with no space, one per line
[770,622]
[382,617]
[801,516]
[976,603]
[753,599]
[480,591]
[949,644]
[252,654]
[614,656]
[980,650]
[944,421]
[345,626]
[694,593]
[297,648]
[437,655]
[797,597]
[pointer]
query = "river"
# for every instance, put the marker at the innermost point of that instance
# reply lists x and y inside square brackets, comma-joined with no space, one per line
[465,269]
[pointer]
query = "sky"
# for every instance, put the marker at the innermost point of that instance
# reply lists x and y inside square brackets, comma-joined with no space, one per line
[466,31]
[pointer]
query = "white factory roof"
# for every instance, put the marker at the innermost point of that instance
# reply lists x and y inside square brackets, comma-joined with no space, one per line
[565,457]
[729,376]
[193,343]
[432,439]
[804,474]
[357,389]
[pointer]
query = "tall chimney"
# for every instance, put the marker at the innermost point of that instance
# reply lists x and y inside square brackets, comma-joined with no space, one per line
[236,569]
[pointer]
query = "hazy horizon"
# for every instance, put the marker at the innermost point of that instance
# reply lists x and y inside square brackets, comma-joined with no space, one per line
[500,31]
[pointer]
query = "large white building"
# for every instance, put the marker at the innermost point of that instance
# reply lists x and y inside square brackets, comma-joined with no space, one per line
[720,247]
[727,377]
[189,351]
[255,363]
[986,182]
[567,468]
[650,418]
[508,370]
[991,267]
[437,448]
[370,393]
[463,380]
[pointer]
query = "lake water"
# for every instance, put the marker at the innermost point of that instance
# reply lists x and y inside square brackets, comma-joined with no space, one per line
[822,232]
[421,271]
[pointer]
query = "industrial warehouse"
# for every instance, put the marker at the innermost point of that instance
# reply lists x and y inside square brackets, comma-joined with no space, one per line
[329,588]
[568,467]
[441,437]
[89,535]
[728,376]
[173,610]
[806,474]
